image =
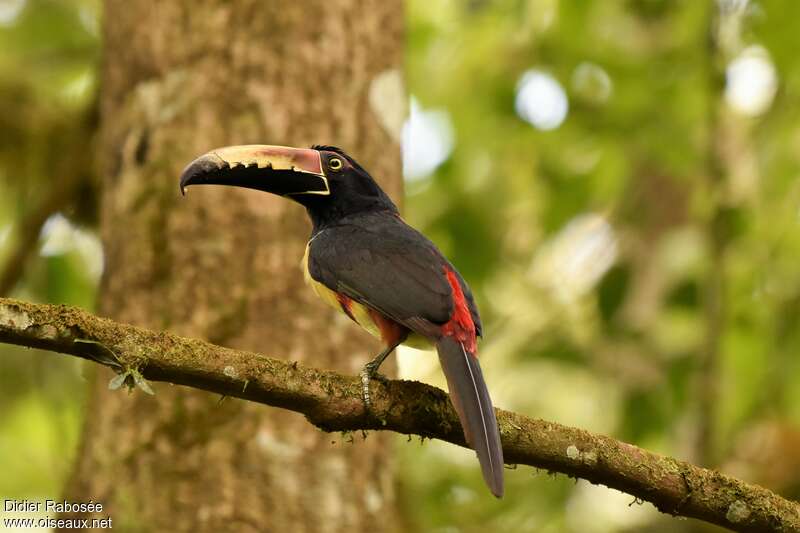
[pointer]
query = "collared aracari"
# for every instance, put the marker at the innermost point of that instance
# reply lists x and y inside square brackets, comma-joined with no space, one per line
[365,261]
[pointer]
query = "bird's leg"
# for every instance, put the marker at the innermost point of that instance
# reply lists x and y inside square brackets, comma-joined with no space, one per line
[370,371]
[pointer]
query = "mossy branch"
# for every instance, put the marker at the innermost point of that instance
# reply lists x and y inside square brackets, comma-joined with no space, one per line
[332,402]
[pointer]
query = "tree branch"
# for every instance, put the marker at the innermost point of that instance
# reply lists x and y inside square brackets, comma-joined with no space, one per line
[332,402]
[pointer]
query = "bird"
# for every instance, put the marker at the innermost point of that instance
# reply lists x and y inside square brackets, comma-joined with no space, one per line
[363,259]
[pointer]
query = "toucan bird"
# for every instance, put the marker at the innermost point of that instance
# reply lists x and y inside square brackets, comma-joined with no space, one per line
[365,261]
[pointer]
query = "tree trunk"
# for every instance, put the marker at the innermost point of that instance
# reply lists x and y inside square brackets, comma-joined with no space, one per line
[178,79]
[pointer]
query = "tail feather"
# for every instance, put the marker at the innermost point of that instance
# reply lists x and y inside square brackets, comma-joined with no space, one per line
[470,397]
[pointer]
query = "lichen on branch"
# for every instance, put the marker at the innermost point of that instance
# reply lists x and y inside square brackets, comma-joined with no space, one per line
[332,402]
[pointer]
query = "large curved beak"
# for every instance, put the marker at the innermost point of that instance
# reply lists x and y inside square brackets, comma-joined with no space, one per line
[276,169]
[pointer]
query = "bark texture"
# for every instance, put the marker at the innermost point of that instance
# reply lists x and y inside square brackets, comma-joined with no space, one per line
[333,402]
[180,78]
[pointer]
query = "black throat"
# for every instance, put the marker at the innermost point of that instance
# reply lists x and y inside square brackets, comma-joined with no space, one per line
[353,193]
[327,215]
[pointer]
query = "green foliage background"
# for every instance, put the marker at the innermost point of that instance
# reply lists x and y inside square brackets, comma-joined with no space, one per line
[636,266]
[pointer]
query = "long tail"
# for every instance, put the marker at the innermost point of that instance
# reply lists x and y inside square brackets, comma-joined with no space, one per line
[474,407]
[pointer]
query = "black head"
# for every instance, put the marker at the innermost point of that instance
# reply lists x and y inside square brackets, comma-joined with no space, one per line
[352,189]
[330,184]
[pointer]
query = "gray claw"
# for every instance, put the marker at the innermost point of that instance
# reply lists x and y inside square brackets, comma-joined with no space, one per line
[365,377]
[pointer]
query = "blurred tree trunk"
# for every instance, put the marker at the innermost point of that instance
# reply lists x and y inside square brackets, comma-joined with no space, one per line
[180,78]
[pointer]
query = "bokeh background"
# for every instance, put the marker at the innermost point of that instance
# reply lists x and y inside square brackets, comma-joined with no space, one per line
[619,180]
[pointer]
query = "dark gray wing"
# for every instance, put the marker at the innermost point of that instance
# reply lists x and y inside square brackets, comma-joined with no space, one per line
[381,262]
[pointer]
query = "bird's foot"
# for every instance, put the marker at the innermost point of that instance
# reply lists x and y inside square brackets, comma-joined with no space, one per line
[365,387]
[370,371]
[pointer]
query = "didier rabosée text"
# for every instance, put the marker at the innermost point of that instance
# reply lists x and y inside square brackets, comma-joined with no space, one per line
[51,506]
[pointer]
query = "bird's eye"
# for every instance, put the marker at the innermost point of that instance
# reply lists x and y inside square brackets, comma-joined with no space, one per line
[335,163]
